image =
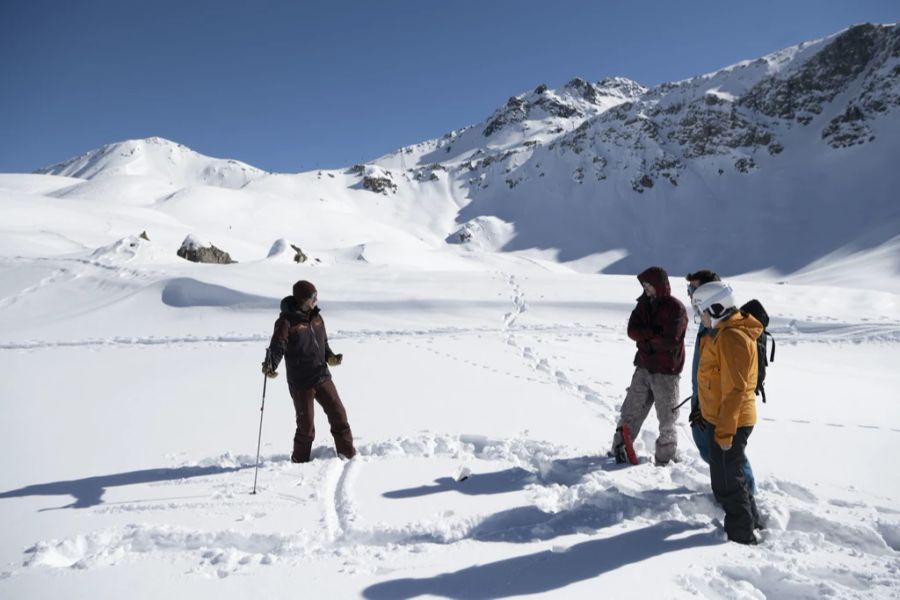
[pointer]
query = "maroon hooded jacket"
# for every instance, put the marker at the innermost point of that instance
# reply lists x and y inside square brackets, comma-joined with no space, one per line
[658,326]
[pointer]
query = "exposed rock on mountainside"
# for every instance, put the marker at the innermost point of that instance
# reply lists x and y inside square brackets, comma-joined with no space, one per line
[577,99]
[803,93]
[378,180]
[738,111]
[194,250]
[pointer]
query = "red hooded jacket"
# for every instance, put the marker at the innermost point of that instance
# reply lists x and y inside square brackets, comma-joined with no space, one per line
[658,326]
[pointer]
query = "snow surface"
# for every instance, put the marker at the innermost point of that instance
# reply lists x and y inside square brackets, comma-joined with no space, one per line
[482,387]
[132,393]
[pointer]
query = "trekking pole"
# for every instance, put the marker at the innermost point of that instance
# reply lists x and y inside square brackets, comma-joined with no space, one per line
[262,408]
[683,402]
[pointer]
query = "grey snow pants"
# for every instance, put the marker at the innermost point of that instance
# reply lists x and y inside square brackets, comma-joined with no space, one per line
[647,390]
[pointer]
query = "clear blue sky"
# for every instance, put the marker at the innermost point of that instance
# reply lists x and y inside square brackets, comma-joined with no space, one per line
[303,84]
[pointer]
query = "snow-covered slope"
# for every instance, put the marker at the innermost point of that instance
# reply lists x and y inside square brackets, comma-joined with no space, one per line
[160,158]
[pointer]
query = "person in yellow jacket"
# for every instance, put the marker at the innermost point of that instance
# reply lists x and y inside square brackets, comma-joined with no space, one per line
[726,386]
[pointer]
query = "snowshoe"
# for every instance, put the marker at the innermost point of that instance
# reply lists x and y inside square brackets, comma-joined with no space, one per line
[624,451]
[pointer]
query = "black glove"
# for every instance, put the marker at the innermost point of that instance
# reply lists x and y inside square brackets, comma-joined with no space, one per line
[334,360]
[696,419]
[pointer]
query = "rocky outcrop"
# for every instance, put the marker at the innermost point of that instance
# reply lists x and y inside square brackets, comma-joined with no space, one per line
[515,111]
[576,100]
[848,129]
[378,180]
[195,250]
[802,94]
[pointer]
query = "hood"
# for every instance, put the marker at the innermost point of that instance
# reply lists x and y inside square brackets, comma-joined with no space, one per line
[659,279]
[291,310]
[743,321]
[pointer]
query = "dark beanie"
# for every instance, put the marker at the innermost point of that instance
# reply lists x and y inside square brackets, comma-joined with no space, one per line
[303,291]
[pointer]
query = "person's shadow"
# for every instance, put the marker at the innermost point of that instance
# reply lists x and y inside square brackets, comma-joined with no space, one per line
[547,571]
[562,471]
[477,484]
[89,491]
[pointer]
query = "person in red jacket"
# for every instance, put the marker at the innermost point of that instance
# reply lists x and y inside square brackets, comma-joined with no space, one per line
[657,325]
[300,338]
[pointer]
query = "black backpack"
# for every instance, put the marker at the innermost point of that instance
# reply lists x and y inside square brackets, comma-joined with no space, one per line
[755,308]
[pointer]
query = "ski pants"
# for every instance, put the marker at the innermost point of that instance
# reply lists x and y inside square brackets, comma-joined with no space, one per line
[702,443]
[646,391]
[729,484]
[327,396]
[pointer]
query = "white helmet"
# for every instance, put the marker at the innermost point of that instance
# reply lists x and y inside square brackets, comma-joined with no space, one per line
[716,296]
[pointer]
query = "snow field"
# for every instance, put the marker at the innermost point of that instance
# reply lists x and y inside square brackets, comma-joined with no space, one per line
[525,400]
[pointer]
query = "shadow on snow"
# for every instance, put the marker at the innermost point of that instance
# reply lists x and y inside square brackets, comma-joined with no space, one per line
[89,491]
[563,472]
[547,571]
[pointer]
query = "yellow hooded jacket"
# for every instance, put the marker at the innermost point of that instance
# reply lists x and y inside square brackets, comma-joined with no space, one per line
[726,377]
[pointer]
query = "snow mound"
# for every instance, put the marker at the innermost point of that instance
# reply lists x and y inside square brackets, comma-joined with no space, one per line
[184,292]
[484,233]
[120,252]
[286,251]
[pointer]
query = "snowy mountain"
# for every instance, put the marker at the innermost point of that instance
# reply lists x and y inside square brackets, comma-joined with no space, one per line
[482,387]
[159,158]
[770,163]
[773,164]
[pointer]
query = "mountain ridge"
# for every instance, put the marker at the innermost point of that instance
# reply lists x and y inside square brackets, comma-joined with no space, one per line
[159,157]
[747,168]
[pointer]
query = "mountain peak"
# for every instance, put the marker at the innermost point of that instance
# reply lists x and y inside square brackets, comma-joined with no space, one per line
[156,157]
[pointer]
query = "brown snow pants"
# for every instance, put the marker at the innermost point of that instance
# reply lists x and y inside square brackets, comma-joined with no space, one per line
[327,396]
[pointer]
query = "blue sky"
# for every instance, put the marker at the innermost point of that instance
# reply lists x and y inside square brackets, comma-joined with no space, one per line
[298,85]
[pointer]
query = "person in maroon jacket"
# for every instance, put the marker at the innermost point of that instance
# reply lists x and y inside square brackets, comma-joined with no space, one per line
[657,324]
[301,339]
